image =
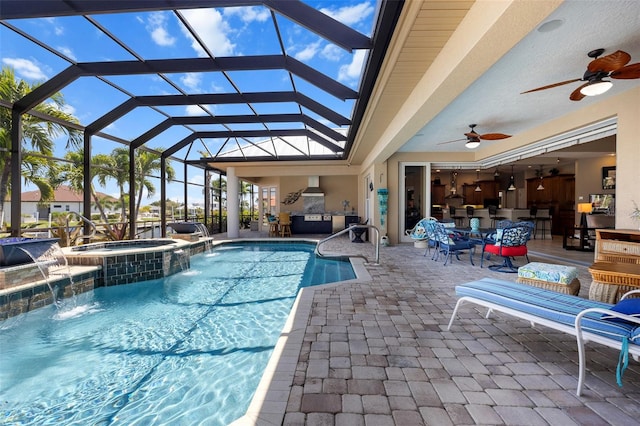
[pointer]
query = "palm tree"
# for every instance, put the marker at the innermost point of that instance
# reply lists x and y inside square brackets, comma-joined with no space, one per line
[102,167]
[147,163]
[38,136]
[120,173]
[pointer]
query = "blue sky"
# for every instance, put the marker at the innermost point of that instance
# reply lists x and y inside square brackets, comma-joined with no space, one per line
[238,31]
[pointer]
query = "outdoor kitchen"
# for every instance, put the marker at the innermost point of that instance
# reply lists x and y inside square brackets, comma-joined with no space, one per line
[323,207]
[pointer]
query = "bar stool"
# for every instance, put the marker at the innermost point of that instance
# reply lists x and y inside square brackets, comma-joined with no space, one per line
[533,211]
[541,222]
[284,222]
[273,229]
[452,215]
[470,214]
[493,215]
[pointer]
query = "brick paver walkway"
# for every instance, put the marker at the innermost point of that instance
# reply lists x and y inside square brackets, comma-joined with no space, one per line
[379,353]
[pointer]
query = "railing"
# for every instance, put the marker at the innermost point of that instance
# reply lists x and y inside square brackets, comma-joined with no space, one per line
[84,220]
[344,231]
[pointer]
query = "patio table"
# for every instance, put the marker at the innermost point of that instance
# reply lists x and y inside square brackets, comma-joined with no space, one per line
[483,233]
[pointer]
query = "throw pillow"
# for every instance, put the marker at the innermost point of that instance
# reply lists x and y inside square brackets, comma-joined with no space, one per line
[498,237]
[626,306]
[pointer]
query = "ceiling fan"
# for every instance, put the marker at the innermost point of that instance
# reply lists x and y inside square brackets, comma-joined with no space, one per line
[613,66]
[473,138]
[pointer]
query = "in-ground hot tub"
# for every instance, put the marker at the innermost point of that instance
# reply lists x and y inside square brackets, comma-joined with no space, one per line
[17,250]
[130,261]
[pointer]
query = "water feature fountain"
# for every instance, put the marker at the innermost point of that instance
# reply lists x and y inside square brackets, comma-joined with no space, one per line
[13,251]
[53,267]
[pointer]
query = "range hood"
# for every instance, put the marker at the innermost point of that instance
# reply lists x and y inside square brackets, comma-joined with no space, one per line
[313,190]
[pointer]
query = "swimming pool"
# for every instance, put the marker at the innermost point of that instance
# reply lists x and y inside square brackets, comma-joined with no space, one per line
[186,349]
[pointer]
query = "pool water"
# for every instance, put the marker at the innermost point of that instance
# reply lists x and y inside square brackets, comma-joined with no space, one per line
[187,349]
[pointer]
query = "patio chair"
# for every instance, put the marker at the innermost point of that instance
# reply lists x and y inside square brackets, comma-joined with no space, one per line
[509,242]
[449,243]
[418,232]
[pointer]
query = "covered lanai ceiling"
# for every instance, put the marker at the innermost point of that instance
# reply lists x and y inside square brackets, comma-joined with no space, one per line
[456,63]
[223,80]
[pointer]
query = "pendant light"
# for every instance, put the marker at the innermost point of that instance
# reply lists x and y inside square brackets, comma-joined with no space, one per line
[478,189]
[512,181]
[540,186]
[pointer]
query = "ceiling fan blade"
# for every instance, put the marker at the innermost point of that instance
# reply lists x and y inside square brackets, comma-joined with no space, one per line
[609,63]
[456,140]
[576,95]
[628,72]
[494,136]
[562,83]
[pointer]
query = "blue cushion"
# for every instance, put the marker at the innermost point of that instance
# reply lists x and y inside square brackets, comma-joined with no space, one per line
[548,272]
[557,307]
[626,306]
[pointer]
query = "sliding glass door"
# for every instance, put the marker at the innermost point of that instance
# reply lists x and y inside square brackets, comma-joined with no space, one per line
[415,195]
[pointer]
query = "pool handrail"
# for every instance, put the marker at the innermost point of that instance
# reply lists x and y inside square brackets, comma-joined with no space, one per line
[86,221]
[344,231]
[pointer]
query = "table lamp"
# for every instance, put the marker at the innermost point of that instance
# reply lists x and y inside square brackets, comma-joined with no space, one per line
[584,208]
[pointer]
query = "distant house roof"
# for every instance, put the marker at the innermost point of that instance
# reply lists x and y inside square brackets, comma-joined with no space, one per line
[63,194]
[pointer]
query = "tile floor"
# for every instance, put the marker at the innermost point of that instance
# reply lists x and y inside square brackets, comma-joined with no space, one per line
[377,352]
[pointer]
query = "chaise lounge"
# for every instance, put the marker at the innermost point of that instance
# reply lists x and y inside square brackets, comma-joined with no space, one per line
[588,320]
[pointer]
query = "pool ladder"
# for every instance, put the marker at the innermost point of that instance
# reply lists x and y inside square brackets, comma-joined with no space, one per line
[344,231]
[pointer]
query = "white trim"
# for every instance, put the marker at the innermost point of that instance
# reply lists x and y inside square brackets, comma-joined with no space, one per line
[585,134]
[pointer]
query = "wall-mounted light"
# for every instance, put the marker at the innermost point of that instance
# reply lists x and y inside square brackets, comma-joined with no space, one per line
[512,181]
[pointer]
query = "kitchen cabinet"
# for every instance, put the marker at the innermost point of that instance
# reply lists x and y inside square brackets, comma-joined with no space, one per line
[437,194]
[319,223]
[488,189]
[558,196]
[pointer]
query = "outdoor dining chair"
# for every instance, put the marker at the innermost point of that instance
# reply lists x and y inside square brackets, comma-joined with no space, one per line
[508,242]
[449,242]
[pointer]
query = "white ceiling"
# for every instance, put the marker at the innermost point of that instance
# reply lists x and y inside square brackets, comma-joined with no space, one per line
[494,101]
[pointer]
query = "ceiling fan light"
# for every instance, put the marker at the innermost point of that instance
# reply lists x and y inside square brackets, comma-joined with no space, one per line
[472,144]
[596,88]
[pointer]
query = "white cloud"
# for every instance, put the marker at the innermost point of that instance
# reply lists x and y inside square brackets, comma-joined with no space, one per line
[157,26]
[349,15]
[67,52]
[192,80]
[25,68]
[69,109]
[58,30]
[195,110]
[308,52]
[212,29]
[353,70]
[197,179]
[331,52]
[248,14]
